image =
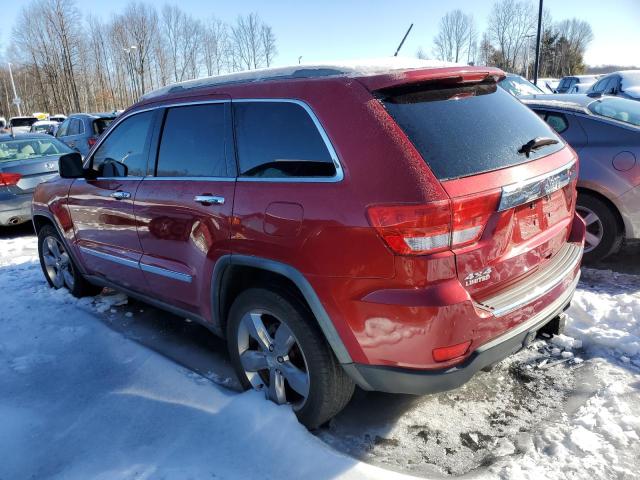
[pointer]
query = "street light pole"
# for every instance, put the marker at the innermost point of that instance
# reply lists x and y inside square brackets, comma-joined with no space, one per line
[16,99]
[537,63]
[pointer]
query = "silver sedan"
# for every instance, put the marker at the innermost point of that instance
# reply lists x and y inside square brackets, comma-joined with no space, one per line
[605,132]
[25,161]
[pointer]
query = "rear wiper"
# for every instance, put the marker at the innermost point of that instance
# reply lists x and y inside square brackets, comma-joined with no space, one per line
[536,143]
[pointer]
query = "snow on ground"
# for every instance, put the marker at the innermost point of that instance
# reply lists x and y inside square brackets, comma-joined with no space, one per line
[110,388]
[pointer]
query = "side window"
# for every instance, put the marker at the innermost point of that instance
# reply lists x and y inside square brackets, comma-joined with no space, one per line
[62,130]
[74,127]
[557,121]
[279,139]
[124,151]
[193,142]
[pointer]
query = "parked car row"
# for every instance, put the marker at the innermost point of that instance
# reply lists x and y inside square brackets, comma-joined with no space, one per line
[397,229]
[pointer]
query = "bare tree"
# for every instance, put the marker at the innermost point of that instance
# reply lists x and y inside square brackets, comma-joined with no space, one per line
[268,40]
[215,46]
[63,63]
[509,24]
[452,39]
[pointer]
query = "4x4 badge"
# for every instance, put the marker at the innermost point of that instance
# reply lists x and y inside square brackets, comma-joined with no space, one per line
[477,277]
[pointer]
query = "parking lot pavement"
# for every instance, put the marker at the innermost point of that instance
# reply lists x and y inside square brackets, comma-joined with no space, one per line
[553,408]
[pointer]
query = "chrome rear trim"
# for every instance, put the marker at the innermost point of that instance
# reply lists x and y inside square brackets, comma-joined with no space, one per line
[537,284]
[538,320]
[537,187]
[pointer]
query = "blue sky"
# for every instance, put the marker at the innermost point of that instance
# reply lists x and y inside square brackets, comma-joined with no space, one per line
[338,30]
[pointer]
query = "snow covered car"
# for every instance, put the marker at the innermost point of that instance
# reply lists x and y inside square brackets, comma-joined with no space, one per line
[548,85]
[605,132]
[624,84]
[45,126]
[567,83]
[25,161]
[518,86]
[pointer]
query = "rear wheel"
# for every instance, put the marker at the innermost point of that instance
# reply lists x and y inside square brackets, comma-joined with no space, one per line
[276,347]
[604,234]
[58,267]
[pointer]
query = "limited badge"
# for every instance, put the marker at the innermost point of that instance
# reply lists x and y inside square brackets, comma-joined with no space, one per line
[478,277]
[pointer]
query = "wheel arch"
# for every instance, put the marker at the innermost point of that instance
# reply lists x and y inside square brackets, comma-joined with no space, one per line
[235,273]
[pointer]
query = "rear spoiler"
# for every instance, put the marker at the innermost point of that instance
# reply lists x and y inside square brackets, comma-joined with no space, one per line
[452,75]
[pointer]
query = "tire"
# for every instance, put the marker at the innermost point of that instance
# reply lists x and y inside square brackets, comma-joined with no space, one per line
[604,232]
[255,332]
[58,266]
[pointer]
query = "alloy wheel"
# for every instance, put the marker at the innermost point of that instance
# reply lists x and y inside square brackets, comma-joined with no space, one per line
[57,263]
[272,359]
[595,230]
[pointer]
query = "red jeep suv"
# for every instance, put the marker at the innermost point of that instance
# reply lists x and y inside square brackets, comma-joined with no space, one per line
[395,229]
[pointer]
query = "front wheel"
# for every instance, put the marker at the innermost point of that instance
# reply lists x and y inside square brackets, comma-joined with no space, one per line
[58,267]
[276,346]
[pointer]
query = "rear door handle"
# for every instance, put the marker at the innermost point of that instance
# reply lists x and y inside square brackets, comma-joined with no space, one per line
[121,195]
[209,200]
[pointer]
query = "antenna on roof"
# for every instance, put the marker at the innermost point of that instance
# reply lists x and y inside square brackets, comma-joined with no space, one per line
[403,39]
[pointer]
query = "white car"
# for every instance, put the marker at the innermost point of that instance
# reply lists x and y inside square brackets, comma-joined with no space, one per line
[58,117]
[625,83]
[21,124]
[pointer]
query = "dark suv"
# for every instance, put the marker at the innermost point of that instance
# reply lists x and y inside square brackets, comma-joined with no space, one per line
[396,229]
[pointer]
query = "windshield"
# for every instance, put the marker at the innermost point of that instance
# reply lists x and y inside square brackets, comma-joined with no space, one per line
[23,122]
[519,86]
[468,130]
[620,109]
[31,148]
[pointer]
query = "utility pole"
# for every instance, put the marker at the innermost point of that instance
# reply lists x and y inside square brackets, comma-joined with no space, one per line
[537,63]
[403,39]
[16,98]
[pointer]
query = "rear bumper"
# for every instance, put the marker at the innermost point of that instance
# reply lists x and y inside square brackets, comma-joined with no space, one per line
[15,209]
[419,382]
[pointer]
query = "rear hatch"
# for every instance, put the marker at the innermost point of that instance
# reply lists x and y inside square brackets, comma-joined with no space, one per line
[510,178]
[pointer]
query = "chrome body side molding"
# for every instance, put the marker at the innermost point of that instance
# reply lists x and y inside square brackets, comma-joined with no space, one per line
[183,277]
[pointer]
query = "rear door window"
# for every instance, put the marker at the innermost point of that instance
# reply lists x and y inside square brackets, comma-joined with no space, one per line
[467,130]
[279,139]
[193,142]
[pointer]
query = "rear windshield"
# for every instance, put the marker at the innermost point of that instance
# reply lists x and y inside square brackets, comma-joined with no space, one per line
[31,148]
[23,122]
[101,124]
[466,130]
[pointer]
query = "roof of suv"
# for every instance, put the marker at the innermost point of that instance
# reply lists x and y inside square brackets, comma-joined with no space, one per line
[387,71]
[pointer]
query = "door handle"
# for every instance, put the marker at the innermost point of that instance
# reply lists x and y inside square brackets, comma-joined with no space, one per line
[121,195]
[209,200]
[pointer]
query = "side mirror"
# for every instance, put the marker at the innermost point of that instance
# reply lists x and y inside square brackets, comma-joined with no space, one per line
[70,165]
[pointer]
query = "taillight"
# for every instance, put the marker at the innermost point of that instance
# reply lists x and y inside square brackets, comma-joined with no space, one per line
[9,178]
[443,354]
[91,141]
[413,229]
[434,227]
[470,216]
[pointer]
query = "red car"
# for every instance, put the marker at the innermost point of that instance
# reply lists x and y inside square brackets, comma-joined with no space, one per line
[396,230]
